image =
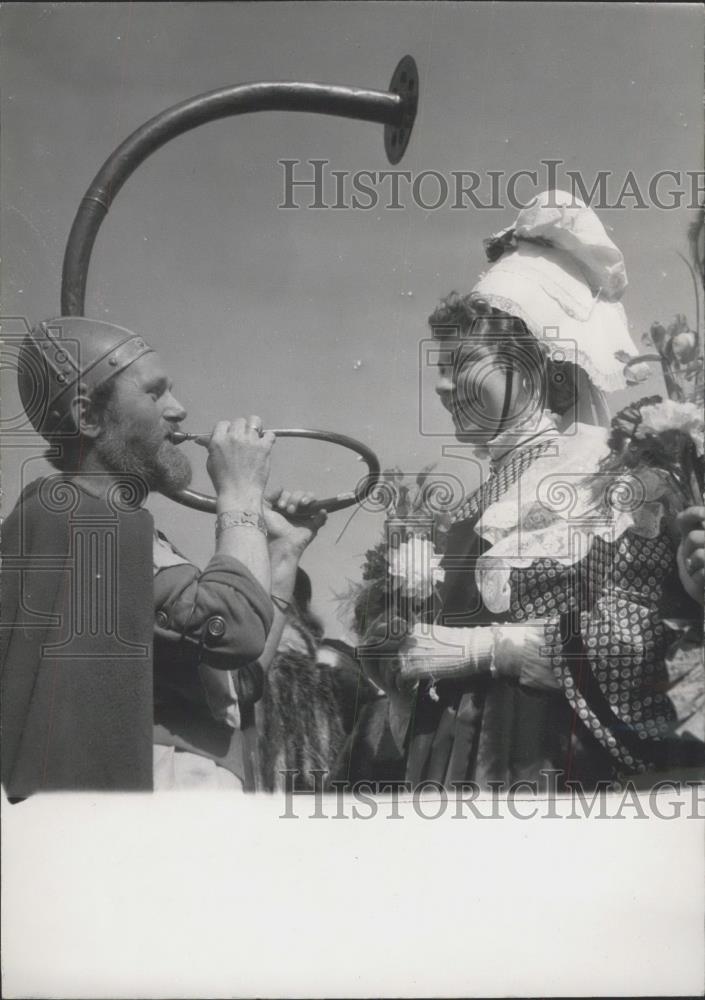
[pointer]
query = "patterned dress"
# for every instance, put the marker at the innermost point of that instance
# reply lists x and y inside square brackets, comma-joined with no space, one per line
[607,640]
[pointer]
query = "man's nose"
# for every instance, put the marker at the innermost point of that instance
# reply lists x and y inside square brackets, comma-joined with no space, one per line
[173,410]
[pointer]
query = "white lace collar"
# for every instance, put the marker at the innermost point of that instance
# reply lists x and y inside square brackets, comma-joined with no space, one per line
[501,448]
[553,511]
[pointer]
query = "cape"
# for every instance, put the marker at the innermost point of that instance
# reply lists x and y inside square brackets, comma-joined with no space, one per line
[302,719]
[77,627]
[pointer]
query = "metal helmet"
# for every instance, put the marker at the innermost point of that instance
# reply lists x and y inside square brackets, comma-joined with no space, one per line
[62,357]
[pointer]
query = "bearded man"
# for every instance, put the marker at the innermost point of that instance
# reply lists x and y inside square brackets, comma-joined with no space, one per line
[124,666]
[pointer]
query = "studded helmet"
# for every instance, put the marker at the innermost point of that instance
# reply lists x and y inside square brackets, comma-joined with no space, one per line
[63,357]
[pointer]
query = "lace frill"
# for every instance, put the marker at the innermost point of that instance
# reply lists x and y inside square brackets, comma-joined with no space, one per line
[600,368]
[560,505]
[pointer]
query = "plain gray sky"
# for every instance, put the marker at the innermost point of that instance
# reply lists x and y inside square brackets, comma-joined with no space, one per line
[314,318]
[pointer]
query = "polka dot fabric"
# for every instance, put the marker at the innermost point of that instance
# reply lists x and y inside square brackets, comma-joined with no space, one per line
[614,594]
[618,681]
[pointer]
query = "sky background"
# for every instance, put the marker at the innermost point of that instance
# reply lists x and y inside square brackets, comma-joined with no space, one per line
[314,318]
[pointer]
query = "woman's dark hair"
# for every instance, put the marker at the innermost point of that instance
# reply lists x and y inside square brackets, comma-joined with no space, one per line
[467,316]
[459,315]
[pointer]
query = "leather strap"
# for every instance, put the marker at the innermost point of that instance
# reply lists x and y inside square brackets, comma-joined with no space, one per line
[250,755]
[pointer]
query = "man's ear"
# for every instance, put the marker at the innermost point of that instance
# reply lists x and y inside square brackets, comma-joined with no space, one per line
[85,416]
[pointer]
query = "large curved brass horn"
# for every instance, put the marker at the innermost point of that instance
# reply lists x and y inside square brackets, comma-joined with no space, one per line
[199,501]
[395,109]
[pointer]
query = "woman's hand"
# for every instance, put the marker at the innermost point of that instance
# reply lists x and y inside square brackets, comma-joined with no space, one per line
[691,551]
[291,528]
[435,652]
[438,652]
[238,463]
[518,652]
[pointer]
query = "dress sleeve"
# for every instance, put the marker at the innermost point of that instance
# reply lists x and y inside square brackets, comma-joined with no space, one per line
[222,613]
[609,647]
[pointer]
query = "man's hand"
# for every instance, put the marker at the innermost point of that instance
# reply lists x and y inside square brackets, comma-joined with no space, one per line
[291,528]
[238,462]
[691,551]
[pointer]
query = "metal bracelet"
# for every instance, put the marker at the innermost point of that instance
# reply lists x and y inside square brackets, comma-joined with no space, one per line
[279,602]
[239,519]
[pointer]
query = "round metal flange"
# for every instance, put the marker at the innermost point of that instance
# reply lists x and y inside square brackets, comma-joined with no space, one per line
[405,83]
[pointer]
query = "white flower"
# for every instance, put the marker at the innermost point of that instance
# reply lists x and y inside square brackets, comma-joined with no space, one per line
[638,372]
[672,416]
[684,346]
[417,566]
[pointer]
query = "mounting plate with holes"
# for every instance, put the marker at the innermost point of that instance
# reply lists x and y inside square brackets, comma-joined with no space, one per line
[405,83]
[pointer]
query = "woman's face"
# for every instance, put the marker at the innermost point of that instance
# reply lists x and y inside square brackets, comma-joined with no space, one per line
[484,390]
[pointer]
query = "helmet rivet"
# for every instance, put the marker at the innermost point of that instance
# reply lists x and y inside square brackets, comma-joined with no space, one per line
[60,378]
[112,361]
[60,357]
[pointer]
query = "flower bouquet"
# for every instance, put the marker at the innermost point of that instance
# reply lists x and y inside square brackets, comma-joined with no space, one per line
[402,572]
[666,435]
[678,347]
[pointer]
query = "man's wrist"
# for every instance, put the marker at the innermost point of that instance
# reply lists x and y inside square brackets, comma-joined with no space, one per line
[246,500]
[284,553]
[284,565]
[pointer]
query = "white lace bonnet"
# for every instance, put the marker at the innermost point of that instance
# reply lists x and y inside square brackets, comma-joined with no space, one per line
[557,270]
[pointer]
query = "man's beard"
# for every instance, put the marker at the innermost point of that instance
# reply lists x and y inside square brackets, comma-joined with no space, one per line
[158,462]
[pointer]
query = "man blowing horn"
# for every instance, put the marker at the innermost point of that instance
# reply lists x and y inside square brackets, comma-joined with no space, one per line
[124,666]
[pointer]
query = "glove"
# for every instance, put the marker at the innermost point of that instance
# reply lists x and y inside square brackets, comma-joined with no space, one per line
[518,653]
[436,652]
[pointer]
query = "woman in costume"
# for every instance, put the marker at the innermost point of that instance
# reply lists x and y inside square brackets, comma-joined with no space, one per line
[549,650]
